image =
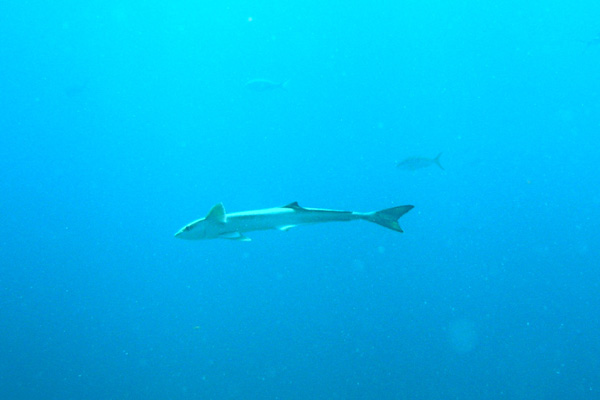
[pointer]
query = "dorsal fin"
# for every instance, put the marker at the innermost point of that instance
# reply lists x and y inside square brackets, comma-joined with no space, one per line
[293,206]
[217,214]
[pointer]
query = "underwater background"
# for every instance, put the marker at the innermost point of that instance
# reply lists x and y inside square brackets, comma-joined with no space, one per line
[122,121]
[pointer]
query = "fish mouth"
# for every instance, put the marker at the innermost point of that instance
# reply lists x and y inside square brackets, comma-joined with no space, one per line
[180,234]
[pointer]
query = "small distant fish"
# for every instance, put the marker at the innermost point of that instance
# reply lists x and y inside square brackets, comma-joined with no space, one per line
[264,85]
[415,163]
[595,41]
[77,89]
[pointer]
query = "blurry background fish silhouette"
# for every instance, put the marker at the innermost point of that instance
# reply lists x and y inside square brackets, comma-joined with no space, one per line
[415,163]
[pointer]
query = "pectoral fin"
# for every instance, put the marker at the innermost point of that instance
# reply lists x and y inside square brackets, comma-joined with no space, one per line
[235,236]
[285,228]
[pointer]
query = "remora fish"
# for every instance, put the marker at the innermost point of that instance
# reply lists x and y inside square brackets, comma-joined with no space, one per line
[415,163]
[218,224]
[263,85]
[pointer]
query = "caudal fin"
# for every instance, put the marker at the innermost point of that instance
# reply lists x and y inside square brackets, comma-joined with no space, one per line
[437,161]
[389,217]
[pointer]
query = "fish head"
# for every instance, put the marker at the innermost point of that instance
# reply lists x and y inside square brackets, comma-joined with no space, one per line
[196,230]
[208,227]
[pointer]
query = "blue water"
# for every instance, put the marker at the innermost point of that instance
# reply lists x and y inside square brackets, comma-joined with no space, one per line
[122,121]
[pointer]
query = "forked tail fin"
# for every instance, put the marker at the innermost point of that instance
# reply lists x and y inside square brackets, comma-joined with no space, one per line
[388,217]
[437,161]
